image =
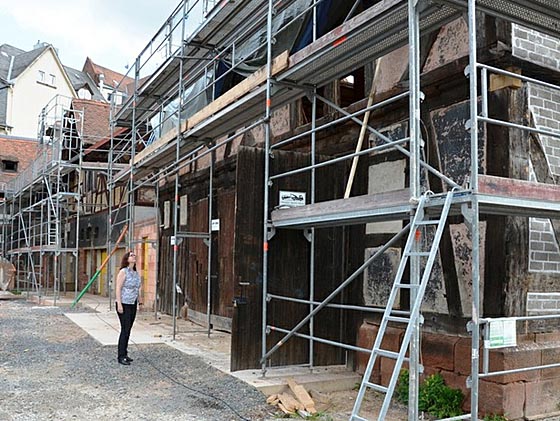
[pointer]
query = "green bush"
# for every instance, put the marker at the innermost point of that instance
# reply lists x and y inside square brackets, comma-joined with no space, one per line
[434,398]
[438,399]
[401,391]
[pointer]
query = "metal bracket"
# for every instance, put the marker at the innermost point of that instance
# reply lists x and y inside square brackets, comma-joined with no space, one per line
[470,326]
[308,234]
[270,232]
[206,241]
[467,71]
[469,382]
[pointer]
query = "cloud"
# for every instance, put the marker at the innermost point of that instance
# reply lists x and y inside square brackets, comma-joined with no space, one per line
[95,28]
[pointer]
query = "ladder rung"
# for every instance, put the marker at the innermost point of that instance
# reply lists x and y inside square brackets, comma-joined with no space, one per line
[357,417]
[433,222]
[376,387]
[418,253]
[398,319]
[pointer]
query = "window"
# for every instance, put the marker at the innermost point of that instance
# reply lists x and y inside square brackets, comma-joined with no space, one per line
[41,76]
[9,166]
[52,79]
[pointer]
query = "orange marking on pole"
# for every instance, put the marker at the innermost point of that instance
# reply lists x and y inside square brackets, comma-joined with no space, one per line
[265,246]
[339,41]
[268,103]
[418,235]
[176,248]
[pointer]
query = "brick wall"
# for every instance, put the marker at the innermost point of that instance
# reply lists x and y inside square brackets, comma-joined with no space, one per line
[535,47]
[544,253]
[544,104]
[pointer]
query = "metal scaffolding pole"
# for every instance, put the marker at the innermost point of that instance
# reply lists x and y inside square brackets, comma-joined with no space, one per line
[474,214]
[176,192]
[267,141]
[415,192]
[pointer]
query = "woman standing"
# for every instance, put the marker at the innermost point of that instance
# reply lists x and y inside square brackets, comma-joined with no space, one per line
[128,290]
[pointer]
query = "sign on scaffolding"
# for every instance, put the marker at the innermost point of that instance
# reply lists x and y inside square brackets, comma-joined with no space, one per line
[501,334]
[291,199]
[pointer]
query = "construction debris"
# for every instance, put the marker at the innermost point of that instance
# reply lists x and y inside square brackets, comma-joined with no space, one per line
[299,403]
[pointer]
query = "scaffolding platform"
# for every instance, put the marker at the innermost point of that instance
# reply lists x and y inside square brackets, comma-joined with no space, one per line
[496,196]
[370,35]
[541,15]
[223,20]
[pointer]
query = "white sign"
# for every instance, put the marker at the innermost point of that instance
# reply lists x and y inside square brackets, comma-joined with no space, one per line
[502,334]
[215,225]
[291,198]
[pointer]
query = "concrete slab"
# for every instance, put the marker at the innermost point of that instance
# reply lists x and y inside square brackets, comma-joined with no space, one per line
[7,295]
[105,328]
[322,379]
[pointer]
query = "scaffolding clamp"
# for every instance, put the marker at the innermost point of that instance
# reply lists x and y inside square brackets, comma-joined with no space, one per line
[308,234]
[467,215]
[270,231]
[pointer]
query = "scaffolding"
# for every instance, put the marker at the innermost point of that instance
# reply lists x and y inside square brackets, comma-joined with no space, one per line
[43,205]
[177,131]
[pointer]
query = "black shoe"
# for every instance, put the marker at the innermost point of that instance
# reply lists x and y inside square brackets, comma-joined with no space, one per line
[123,361]
[127,358]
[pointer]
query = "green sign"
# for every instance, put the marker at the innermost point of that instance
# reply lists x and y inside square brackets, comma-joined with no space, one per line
[502,334]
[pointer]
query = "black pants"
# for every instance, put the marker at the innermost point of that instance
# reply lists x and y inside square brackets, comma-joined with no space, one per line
[127,320]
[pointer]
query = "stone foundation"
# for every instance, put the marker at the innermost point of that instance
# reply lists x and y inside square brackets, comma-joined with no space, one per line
[530,395]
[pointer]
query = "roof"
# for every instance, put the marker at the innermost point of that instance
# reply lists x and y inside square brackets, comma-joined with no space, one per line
[96,119]
[111,78]
[81,80]
[22,150]
[6,54]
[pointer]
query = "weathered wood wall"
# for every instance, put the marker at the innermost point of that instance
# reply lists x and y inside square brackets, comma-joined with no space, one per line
[289,258]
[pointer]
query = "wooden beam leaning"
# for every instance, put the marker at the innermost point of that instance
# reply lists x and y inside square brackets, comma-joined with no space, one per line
[279,64]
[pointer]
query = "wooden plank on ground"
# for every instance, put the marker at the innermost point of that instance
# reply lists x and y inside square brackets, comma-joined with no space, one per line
[290,403]
[302,395]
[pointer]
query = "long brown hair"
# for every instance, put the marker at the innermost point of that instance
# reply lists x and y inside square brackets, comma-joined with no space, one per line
[124,261]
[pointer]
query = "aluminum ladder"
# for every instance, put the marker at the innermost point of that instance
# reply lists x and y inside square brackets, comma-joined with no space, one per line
[418,222]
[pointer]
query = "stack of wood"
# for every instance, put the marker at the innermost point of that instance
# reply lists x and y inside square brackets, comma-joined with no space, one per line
[299,403]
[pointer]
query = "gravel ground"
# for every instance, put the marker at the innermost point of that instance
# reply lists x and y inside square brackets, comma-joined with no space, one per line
[52,370]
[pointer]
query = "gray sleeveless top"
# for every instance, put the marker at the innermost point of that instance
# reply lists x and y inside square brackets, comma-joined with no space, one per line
[131,286]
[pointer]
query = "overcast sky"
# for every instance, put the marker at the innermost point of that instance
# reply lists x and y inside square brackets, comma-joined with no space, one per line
[111,32]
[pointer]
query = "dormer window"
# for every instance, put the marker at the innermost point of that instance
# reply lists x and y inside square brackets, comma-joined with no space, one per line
[52,79]
[9,166]
[40,76]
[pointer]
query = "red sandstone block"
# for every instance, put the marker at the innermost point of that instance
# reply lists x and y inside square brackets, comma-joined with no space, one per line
[366,337]
[438,351]
[383,367]
[542,397]
[512,358]
[506,399]
[463,356]
[547,337]
[551,356]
